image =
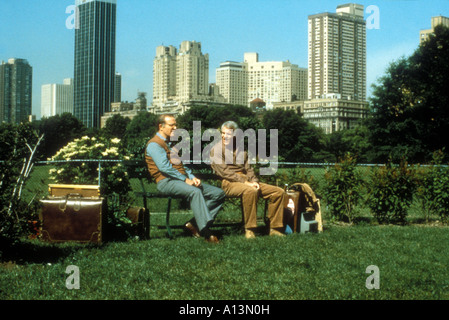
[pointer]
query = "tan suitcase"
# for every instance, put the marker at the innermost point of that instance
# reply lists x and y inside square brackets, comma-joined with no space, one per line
[61,190]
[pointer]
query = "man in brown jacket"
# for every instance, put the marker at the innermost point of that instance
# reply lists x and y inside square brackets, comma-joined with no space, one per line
[231,164]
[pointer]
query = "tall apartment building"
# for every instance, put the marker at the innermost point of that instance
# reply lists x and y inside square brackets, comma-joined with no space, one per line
[16,83]
[180,76]
[231,79]
[435,21]
[272,81]
[94,79]
[337,53]
[57,98]
[164,75]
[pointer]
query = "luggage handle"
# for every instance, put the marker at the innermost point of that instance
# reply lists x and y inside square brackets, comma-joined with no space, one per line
[77,205]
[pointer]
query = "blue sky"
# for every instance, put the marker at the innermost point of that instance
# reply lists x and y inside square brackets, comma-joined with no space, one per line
[276,29]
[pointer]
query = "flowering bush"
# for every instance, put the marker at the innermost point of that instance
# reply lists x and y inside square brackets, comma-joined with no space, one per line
[96,161]
[112,177]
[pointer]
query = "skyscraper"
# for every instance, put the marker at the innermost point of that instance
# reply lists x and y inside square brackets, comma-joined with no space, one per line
[16,77]
[94,76]
[337,53]
[180,76]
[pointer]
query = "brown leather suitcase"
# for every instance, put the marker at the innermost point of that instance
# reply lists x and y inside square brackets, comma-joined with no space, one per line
[72,219]
[140,220]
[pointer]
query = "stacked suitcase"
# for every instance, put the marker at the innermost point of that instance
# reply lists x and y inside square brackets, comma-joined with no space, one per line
[74,213]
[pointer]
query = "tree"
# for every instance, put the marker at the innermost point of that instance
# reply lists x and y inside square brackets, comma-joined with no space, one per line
[58,131]
[298,139]
[138,132]
[213,117]
[410,114]
[115,127]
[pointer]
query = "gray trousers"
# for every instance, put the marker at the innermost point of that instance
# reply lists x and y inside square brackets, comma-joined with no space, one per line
[205,201]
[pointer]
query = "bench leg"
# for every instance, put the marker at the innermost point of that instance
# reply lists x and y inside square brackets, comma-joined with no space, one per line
[146,218]
[146,224]
[167,219]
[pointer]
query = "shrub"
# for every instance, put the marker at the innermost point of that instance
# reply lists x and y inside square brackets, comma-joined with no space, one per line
[433,188]
[343,189]
[391,190]
[18,146]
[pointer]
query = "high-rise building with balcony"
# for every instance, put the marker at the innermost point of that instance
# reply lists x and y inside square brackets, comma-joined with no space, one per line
[16,83]
[337,53]
[94,74]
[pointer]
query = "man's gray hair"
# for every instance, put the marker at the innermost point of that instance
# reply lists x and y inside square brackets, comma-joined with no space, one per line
[229,125]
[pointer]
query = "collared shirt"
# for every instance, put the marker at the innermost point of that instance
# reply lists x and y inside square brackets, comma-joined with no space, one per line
[159,156]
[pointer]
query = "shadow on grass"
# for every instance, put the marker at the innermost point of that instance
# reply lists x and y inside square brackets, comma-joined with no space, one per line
[34,251]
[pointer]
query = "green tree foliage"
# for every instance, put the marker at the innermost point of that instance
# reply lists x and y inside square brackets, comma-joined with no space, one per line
[58,131]
[353,141]
[115,127]
[410,104]
[214,117]
[298,139]
[138,132]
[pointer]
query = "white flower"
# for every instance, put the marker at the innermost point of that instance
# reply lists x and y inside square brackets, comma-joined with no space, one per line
[115,140]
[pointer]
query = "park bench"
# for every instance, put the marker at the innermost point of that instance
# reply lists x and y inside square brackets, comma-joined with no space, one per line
[138,170]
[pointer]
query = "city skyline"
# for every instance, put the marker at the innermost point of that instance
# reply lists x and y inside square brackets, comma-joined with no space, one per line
[276,30]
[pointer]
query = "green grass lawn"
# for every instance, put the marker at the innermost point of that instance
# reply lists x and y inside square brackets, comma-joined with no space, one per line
[412,262]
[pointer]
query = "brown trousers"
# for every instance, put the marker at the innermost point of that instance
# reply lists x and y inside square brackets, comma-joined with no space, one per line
[276,201]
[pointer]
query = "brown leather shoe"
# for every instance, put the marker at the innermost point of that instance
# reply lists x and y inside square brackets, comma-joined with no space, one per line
[212,239]
[192,229]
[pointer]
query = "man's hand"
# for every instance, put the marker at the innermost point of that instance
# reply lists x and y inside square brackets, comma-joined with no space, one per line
[196,182]
[193,182]
[253,184]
